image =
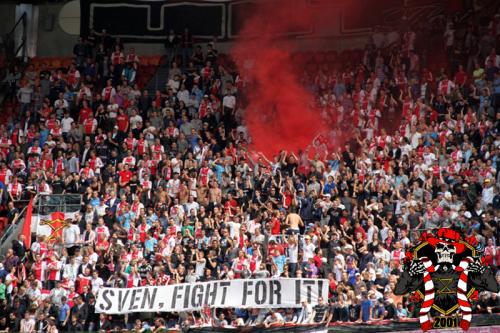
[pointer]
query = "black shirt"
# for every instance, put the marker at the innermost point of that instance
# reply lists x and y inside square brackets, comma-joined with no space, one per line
[12,214]
[58,186]
[320,311]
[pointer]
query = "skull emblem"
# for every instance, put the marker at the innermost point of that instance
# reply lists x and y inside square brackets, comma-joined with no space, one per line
[445,253]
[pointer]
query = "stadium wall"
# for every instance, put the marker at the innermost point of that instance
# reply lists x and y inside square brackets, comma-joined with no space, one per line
[54,41]
[7,17]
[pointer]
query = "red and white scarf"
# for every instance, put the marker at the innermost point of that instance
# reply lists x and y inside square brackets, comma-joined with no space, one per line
[425,322]
[463,302]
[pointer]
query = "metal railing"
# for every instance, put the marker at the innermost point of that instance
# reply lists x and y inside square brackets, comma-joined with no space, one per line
[51,203]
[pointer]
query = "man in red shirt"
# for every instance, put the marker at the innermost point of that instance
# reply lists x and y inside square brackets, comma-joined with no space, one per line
[273,246]
[90,125]
[85,111]
[123,123]
[231,205]
[275,224]
[460,76]
[125,176]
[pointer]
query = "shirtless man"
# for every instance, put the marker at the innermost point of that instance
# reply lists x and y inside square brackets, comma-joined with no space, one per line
[215,194]
[202,193]
[294,221]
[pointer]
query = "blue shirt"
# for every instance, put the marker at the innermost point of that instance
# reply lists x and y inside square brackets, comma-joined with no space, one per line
[149,244]
[125,219]
[95,202]
[365,309]
[496,86]
[328,188]
[219,170]
[193,141]
[198,93]
[334,164]
[351,272]
[43,136]
[339,89]
[150,219]
[279,261]
[63,312]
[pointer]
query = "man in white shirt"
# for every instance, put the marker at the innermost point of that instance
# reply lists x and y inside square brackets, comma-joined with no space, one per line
[101,208]
[61,103]
[57,294]
[71,237]
[229,101]
[70,269]
[192,206]
[308,248]
[183,94]
[134,119]
[306,314]
[25,94]
[200,264]
[27,323]
[96,283]
[274,318]
[66,123]
[488,193]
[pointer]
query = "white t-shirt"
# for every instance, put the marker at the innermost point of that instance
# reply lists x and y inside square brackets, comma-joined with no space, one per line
[134,120]
[192,205]
[71,235]
[429,158]
[56,295]
[229,101]
[96,284]
[183,95]
[293,253]
[66,124]
[488,195]
[9,278]
[308,251]
[234,229]
[200,268]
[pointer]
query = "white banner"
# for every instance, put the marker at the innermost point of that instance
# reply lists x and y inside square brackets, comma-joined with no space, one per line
[255,293]
[47,224]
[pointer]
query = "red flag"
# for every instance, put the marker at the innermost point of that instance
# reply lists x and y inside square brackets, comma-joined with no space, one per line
[27,225]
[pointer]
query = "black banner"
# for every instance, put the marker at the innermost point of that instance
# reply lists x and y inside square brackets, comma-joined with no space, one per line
[150,20]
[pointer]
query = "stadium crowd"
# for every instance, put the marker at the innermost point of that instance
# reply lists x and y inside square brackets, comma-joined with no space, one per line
[172,194]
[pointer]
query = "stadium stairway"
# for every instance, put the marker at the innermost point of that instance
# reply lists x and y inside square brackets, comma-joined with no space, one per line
[10,232]
[159,79]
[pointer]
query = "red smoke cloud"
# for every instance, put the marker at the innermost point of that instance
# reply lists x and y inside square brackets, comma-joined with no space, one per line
[278,113]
